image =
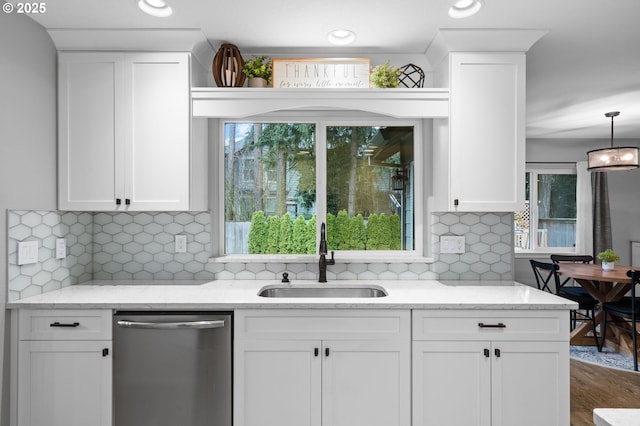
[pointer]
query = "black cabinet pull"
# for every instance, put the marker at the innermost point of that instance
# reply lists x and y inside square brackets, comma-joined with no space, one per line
[315,351]
[118,201]
[497,352]
[105,352]
[127,201]
[498,325]
[61,324]
[326,351]
[486,353]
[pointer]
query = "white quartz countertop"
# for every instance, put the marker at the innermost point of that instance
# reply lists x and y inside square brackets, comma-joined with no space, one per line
[616,416]
[243,294]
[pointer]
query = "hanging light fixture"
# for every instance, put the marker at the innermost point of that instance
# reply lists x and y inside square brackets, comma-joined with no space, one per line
[612,159]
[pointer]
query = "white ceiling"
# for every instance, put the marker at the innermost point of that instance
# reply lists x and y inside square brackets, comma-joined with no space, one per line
[587,64]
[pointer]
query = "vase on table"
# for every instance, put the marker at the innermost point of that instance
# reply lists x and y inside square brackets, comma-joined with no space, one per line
[608,266]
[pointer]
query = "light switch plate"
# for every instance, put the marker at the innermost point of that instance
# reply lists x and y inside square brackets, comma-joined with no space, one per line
[27,252]
[181,243]
[452,244]
[61,248]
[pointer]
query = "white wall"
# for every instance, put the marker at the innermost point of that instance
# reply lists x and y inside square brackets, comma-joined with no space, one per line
[624,193]
[27,140]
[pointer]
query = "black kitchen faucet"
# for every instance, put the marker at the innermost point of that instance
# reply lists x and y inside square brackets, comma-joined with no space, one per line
[323,253]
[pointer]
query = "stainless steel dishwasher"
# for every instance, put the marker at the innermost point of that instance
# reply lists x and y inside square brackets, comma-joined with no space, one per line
[172,368]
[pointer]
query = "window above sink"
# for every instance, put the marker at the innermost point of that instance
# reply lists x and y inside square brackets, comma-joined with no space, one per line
[283,179]
[353,108]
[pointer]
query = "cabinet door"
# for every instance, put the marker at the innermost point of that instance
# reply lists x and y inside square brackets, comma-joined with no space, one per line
[277,383]
[530,384]
[157,135]
[64,383]
[487,131]
[451,383]
[366,383]
[89,160]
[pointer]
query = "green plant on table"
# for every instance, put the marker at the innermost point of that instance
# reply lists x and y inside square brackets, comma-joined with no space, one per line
[608,256]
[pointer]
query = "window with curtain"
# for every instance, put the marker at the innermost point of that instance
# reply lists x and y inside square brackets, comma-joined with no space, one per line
[549,221]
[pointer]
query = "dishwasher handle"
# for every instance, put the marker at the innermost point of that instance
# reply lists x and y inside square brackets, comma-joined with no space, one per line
[172,325]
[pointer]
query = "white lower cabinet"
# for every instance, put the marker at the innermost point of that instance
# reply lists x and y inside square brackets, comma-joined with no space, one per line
[64,368]
[349,368]
[509,369]
[324,367]
[277,383]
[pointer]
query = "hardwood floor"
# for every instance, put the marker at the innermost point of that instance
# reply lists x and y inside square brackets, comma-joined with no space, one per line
[593,386]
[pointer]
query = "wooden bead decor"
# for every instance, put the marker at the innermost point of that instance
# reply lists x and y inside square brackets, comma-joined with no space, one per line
[227,66]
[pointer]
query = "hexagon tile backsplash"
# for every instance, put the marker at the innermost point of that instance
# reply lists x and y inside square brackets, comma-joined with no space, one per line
[140,246]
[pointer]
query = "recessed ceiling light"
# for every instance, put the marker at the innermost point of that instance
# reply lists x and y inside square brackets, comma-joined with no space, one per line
[158,8]
[465,8]
[341,37]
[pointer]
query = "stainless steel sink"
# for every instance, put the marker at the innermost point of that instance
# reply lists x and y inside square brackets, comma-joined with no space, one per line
[335,291]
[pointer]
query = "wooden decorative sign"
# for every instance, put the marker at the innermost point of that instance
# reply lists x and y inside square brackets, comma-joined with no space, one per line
[321,73]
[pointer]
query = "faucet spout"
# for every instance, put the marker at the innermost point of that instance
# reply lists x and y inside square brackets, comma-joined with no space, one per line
[323,240]
[322,251]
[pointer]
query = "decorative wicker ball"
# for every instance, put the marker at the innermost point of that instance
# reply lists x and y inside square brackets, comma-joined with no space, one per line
[227,66]
[412,76]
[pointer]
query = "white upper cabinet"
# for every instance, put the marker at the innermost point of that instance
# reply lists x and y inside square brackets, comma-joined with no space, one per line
[479,154]
[124,132]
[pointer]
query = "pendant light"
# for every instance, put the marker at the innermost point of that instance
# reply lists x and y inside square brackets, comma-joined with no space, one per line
[612,159]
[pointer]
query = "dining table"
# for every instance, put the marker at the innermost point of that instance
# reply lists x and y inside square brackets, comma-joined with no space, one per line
[605,286]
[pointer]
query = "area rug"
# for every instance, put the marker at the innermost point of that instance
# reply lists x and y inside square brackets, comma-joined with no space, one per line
[606,358]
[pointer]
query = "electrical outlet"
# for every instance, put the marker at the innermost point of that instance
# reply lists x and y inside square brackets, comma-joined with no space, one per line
[181,243]
[452,244]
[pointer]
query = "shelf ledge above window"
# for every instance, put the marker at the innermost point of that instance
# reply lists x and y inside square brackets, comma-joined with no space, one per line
[242,102]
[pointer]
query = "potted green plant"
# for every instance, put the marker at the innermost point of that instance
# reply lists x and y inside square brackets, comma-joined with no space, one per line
[258,70]
[385,76]
[608,259]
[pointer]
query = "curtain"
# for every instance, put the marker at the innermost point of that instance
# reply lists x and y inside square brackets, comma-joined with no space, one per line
[584,210]
[602,239]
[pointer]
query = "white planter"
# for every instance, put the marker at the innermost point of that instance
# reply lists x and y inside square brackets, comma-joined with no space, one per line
[607,266]
[257,82]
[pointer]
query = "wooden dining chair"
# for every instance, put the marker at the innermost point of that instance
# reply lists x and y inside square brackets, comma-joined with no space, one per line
[546,274]
[576,293]
[624,311]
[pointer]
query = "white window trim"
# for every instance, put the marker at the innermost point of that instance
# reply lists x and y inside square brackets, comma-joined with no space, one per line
[421,251]
[535,169]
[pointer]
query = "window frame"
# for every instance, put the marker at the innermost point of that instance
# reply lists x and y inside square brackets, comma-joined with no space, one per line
[322,120]
[537,169]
